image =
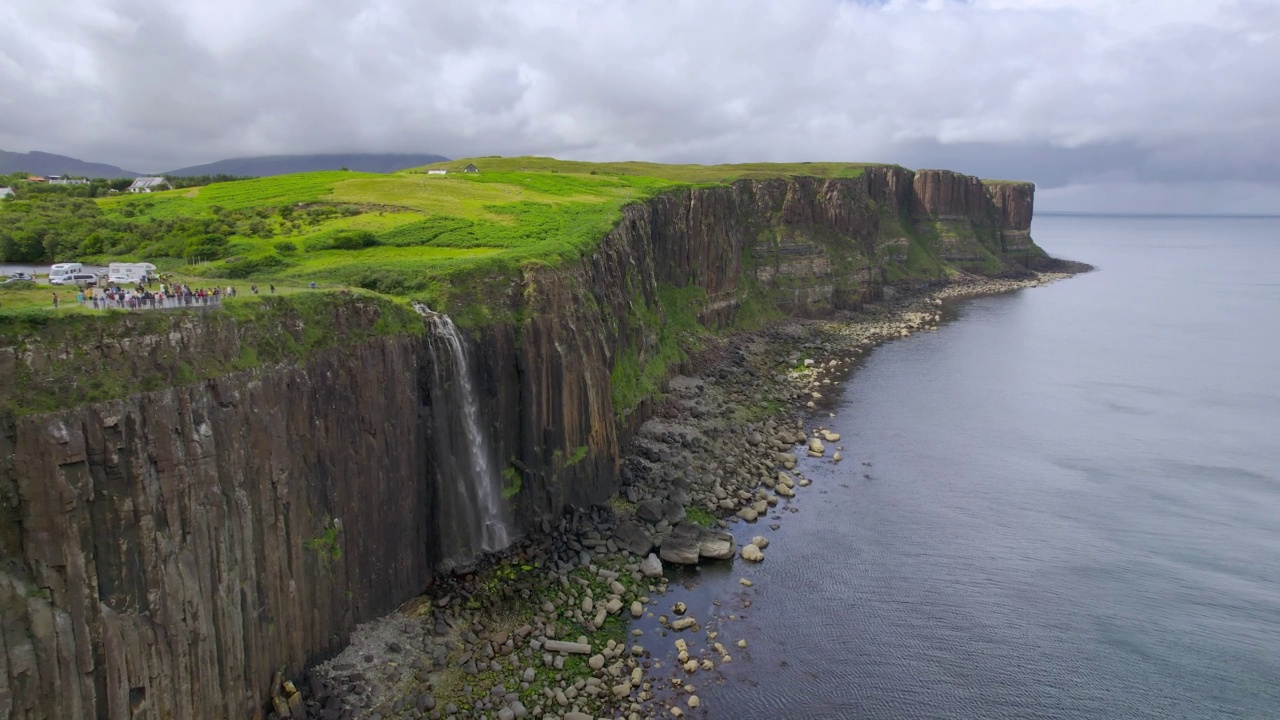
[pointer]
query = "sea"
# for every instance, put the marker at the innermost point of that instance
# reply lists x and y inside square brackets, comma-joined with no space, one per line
[1064,503]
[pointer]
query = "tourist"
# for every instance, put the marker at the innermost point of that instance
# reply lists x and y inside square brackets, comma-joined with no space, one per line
[55,301]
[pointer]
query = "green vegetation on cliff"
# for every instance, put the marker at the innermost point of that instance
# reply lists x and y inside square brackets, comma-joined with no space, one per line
[139,352]
[641,366]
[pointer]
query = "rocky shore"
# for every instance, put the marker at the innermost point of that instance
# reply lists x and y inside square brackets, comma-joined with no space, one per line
[545,631]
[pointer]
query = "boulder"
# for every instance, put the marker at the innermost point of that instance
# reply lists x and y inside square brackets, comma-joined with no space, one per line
[751,553]
[650,511]
[632,537]
[716,545]
[567,647]
[680,496]
[681,546]
[651,567]
[749,514]
[760,541]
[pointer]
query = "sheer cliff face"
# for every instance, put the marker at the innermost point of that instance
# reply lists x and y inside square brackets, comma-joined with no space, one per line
[1013,203]
[176,545]
[165,552]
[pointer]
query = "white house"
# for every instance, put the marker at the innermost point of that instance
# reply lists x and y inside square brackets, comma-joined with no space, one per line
[437,172]
[149,184]
[6,193]
[66,180]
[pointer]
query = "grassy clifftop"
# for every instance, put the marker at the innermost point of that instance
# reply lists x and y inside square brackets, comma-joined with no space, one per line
[409,234]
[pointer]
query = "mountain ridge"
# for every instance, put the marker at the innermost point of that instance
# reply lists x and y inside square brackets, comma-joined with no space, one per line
[269,165]
[43,163]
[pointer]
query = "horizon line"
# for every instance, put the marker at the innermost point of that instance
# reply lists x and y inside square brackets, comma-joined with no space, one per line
[1090,213]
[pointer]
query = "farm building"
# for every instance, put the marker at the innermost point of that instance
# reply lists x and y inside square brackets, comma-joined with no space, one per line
[149,184]
[5,193]
[471,168]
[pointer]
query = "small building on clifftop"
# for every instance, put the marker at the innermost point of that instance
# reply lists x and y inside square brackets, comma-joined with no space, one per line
[149,184]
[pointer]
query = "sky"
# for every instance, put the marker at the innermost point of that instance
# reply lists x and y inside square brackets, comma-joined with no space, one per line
[1108,105]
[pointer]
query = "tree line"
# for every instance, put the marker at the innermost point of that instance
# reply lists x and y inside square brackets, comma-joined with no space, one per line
[53,227]
[102,187]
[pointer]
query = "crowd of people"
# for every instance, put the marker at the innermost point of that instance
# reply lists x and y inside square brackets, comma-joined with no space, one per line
[166,296]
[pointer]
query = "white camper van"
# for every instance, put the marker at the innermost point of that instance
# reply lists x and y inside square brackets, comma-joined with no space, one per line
[129,272]
[59,272]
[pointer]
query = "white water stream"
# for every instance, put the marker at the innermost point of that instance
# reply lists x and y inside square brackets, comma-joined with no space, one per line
[473,514]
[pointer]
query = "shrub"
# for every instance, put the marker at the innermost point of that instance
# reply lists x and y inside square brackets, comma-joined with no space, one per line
[352,239]
[346,239]
[284,247]
[241,267]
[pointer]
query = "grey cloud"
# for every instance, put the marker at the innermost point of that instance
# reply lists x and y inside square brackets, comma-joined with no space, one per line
[1064,92]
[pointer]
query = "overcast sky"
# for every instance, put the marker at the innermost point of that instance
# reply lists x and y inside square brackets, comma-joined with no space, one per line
[1106,104]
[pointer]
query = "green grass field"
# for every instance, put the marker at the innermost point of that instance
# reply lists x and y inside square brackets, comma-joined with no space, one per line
[242,194]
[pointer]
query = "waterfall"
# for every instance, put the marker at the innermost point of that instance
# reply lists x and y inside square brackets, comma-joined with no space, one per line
[473,514]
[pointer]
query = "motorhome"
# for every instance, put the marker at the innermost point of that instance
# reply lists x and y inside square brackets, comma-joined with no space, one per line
[61,270]
[129,272]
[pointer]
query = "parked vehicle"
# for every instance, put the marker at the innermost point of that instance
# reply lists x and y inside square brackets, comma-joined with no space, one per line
[80,279]
[121,273]
[61,270]
[22,276]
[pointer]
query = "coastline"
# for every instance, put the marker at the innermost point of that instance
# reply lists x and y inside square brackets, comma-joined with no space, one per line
[546,629]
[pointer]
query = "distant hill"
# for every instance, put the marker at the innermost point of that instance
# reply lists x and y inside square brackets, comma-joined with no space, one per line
[43,163]
[268,165]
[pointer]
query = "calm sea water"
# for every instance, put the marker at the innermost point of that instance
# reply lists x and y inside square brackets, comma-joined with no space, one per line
[1071,507]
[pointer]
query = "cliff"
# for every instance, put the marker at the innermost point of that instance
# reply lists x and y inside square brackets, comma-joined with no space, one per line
[266,481]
